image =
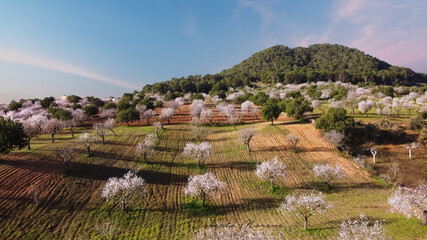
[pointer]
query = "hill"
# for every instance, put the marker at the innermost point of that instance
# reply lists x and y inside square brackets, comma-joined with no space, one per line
[318,62]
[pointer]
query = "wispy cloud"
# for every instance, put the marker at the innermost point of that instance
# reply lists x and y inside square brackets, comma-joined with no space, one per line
[390,30]
[22,58]
[263,8]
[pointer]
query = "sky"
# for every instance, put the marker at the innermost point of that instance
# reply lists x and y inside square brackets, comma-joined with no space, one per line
[106,48]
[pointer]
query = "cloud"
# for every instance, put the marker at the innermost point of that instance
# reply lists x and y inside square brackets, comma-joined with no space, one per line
[390,30]
[263,8]
[22,58]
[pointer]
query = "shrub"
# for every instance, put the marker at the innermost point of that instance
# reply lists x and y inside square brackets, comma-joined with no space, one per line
[335,119]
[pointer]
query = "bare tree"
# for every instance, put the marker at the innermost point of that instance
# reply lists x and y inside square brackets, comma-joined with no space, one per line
[374,153]
[294,140]
[411,147]
[198,132]
[394,170]
[305,205]
[246,135]
[65,155]
[106,230]
[35,191]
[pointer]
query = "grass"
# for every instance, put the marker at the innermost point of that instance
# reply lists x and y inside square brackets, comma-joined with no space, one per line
[72,206]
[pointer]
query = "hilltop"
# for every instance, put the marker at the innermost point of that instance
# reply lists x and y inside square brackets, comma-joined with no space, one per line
[281,64]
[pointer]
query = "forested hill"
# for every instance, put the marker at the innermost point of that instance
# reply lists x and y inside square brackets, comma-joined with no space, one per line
[319,62]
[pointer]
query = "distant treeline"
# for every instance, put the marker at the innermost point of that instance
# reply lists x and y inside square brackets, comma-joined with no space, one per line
[281,64]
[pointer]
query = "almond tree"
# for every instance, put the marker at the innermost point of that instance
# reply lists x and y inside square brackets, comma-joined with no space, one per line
[197,107]
[335,138]
[198,132]
[157,126]
[71,124]
[204,185]
[305,205]
[397,105]
[207,115]
[88,141]
[411,147]
[294,140]
[360,228]
[246,107]
[270,170]
[123,190]
[229,112]
[65,155]
[141,109]
[365,106]
[33,126]
[167,113]
[246,135]
[52,127]
[148,114]
[146,147]
[198,151]
[79,116]
[101,131]
[109,124]
[328,172]
[412,202]
[318,104]
[374,153]
[232,232]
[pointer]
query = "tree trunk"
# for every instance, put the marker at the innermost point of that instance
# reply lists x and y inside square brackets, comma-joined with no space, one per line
[157,133]
[234,127]
[148,121]
[28,144]
[424,218]
[272,122]
[248,147]
[305,223]
[128,124]
[88,151]
[204,199]
[410,154]
[366,114]
[113,132]
[198,163]
[53,138]
[375,159]
[72,132]
[295,147]
[272,183]
[169,121]
[103,140]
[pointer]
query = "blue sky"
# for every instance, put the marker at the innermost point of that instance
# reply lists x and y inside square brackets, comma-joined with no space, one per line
[106,48]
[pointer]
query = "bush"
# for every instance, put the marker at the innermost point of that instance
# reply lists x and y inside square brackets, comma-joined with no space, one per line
[61,114]
[13,106]
[91,110]
[417,122]
[12,135]
[73,99]
[335,119]
[127,116]
[297,107]
[259,99]
[270,112]
[196,96]
[110,105]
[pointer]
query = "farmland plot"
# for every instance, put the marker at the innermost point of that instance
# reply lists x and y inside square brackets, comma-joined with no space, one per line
[71,206]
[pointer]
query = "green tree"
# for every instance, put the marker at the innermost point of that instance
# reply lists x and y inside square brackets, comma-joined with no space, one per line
[127,116]
[335,119]
[91,110]
[13,106]
[62,114]
[110,105]
[12,135]
[270,112]
[259,99]
[73,99]
[47,101]
[297,107]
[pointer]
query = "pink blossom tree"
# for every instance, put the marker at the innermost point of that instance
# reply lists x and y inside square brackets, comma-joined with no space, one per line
[52,127]
[198,151]
[271,170]
[203,186]
[246,135]
[305,205]
[412,202]
[148,114]
[123,190]
[146,147]
[33,126]
[167,113]
[328,173]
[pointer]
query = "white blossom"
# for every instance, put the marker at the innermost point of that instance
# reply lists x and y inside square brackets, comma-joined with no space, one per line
[270,170]
[204,185]
[198,151]
[360,229]
[328,173]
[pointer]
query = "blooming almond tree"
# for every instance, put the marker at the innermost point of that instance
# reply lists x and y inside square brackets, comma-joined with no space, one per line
[305,205]
[198,151]
[148,114]
[197,107]
[88,141]
[52,127]
[71,124]
[411,147]
[294,140]
[146,147]
[410,202]
[270,170]
[328,172]
[101,131]
[124,189]
[204,185]
[109,124]
[246,107]
[365,106]
[207,115]
[246,135]
[157,126]
[360,228]
[33,126]
[232,232]
[167,113]
[335,138]
[318,104]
